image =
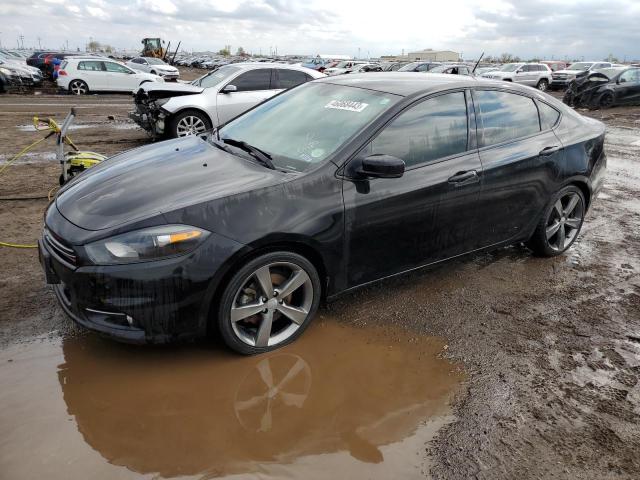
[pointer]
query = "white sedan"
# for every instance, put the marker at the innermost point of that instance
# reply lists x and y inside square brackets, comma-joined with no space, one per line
[155,66]
[81,75]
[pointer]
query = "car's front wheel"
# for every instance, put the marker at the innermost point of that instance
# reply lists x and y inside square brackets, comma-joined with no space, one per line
[78,87]
[560,224]
[268,302]
[543,85]
[190,122]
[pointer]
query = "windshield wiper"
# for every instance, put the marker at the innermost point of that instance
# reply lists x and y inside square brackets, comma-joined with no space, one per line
[263,157]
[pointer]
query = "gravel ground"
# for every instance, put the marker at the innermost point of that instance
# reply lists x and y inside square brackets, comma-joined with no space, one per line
[551,347]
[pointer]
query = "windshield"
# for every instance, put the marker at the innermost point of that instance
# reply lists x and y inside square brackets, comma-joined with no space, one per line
[154,61]
[580,66]
[441,68]
[307,124]
[216,77]
[510,67]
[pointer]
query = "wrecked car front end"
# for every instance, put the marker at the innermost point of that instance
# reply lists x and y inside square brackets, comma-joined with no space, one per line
[149,101]
[585,91]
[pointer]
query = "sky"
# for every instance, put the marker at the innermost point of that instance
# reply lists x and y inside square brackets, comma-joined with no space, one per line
[529,29]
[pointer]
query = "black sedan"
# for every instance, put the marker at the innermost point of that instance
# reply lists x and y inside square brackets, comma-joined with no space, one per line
[324,188]
[605,88]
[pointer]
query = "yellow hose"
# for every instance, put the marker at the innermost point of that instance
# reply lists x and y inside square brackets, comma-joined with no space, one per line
[22,152]
[16,245]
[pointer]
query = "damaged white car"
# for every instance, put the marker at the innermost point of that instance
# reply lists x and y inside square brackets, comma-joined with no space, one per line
[180,109]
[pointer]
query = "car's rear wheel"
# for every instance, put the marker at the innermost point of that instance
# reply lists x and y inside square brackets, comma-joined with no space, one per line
[190,122]
[543,85]
[606,100]
[560,224]
[268,302]
[78,87]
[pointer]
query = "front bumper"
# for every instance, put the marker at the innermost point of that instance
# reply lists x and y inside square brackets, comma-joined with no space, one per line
[150,118]
[147,302]
[560,82]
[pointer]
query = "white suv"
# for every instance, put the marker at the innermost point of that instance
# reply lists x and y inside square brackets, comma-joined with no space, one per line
[81,75]
[532,74]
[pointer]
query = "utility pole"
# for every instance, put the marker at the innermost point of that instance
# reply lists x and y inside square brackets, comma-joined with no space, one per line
[0,40]
[21,41]
[39,43]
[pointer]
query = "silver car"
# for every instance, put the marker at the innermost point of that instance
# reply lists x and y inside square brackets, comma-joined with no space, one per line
[155,66]
[181,109]
[536,75]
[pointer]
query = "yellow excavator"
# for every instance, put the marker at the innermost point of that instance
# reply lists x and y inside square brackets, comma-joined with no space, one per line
[152,47]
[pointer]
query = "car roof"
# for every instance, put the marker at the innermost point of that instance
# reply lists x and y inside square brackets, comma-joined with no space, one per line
[401,83]
[409,83]
[254,65]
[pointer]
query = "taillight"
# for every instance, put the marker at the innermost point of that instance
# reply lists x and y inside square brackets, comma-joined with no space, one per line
[61,72]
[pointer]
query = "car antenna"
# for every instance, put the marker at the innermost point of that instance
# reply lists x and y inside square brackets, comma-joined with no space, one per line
[477,63]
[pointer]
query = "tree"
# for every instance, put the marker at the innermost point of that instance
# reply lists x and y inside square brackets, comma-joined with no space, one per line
[226,51]
[240,52]
[93,46]
[509,58]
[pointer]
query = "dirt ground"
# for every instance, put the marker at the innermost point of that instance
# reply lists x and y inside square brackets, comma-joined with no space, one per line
[550,347]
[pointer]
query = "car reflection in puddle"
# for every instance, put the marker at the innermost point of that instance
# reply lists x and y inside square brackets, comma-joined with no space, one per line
[339,398]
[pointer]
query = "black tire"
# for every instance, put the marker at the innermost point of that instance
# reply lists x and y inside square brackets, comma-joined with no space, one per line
[231,295]
[78,87]
[153,72]
[606,100]
[176,123]
[541,242]
[543,85]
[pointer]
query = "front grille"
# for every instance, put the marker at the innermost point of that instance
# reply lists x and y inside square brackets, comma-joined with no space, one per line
[57,246]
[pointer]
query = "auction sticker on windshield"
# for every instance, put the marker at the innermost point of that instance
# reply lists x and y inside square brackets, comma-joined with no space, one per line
[349,105]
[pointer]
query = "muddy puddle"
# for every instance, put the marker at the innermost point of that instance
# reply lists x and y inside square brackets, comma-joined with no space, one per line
[341,402]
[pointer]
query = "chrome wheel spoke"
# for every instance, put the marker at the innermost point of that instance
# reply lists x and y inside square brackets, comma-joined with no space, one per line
[558,208]
[295,314]
[561,237]
[573,223]
[573,202]
[294,282]
[263,276]
[264,331]
[552,230]
[244,311]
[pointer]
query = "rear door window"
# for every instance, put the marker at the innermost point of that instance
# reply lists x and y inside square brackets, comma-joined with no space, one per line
[433,129]
[258,79]
[505,116]
[92,66]
[290,78]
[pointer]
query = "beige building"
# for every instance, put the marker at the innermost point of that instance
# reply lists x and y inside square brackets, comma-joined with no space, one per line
[427,54]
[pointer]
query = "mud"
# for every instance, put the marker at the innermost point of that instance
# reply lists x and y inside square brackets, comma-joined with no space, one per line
[551,348]
[340,399]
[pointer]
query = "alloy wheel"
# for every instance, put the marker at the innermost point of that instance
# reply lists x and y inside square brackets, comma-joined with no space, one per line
[565,221]
[190,125]
[78,88]
[271,304]
[543,85]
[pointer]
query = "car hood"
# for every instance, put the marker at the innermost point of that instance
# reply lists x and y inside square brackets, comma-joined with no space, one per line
[570,72]
[180,88]
[156,179]
[165,68]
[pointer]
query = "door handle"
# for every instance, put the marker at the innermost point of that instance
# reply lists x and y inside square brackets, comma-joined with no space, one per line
[546,151]
[464,178]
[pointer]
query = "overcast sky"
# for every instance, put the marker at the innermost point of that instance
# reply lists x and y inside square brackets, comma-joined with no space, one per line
[534,28]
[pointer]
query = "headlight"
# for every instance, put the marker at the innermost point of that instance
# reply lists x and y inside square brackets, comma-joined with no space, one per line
[6,71]
[145,245]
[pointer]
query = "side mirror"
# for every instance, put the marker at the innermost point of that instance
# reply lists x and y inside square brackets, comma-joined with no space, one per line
[229,89]
[382,166]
